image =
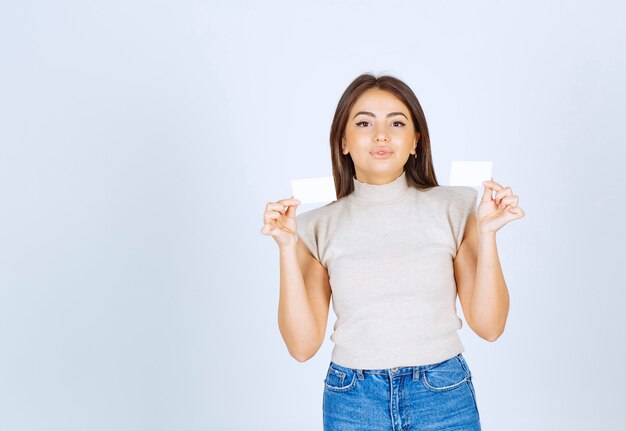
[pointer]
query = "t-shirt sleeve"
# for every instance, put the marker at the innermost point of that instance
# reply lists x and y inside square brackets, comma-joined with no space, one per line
[463,204]
[307,232]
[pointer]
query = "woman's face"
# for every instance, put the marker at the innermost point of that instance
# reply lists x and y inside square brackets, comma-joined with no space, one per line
[379,121]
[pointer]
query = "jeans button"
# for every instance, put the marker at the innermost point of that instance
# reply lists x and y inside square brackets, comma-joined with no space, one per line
[394,369]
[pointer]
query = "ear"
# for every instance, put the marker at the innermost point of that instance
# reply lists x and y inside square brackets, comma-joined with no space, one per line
[417,138]
[343,146]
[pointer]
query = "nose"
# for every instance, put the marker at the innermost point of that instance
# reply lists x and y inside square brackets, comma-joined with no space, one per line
[381,135]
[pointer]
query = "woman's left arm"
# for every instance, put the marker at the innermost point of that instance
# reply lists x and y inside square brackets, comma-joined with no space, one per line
[480,283]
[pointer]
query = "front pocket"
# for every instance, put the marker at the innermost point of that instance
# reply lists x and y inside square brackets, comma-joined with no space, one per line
[339,380]
[445,376]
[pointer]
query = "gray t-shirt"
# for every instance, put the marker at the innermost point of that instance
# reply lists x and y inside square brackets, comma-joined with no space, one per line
[389,253]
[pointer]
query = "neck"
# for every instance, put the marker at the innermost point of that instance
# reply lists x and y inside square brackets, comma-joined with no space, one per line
[380,193]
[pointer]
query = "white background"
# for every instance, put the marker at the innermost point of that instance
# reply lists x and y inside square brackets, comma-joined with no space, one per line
[141,140]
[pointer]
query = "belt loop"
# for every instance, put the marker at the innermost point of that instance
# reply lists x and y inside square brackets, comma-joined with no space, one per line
[416,373]
[464,365]
[359,374]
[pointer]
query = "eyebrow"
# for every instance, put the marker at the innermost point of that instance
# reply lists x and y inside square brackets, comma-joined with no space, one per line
[391,114]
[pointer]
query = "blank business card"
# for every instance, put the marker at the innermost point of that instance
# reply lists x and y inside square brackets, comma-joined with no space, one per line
[322,189]
[313,190]
[470,173]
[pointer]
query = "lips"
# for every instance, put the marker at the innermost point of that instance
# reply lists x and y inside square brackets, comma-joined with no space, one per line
[381,149]
[383,154]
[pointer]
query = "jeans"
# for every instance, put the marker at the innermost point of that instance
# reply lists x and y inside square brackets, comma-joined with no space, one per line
[426,397]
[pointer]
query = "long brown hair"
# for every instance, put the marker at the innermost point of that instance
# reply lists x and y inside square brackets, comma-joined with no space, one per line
[419,170]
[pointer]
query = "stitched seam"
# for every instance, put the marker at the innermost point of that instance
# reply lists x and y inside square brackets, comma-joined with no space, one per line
[445,388]
[342,388]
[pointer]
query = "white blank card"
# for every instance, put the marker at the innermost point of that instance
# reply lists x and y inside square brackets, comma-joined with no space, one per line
[322,189]
[470,173]
[312,190]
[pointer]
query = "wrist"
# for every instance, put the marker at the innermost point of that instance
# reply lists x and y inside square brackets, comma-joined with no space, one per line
[289,247]
[486,236]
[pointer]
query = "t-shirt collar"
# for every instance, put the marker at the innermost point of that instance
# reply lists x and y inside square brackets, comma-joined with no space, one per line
[380,193]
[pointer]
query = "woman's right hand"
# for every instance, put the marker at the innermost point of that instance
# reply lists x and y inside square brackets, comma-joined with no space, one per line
[278,216]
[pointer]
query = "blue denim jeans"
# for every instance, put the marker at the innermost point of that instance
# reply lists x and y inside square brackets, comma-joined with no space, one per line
[425,397]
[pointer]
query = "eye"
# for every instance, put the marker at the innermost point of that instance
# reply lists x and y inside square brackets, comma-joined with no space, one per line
[361,122]
[399,122]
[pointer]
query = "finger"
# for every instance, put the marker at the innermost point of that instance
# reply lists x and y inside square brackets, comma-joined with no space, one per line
[275,206]
[287,229]
[506,191]
[267,229]
[516,211]
[289,201]
[487,192]
[268,217]
[511,201]
[277,225]
[279,207]
[496,186]
[492,185]
[291,210]
[500,197]
[282,205]
[272,212]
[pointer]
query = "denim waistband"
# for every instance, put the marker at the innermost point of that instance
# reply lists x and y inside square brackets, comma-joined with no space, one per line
[396,371]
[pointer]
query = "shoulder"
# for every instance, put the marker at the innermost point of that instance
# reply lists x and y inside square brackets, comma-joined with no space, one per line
[457,194]
[320,214]
[315,227]
[457,191]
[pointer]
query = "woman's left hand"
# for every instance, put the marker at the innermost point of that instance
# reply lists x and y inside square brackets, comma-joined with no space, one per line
[493,213]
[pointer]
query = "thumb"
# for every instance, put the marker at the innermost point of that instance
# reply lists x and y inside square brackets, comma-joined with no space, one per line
[486,197]
[291,209]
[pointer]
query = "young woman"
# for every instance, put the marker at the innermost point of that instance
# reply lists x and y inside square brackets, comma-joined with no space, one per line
[396,249]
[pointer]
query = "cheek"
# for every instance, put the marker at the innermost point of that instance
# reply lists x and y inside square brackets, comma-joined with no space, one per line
[360,145]
[360,153]
[404,135]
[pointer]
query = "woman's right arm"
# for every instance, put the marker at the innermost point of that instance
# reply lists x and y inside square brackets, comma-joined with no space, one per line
[304,284]
[304,301]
